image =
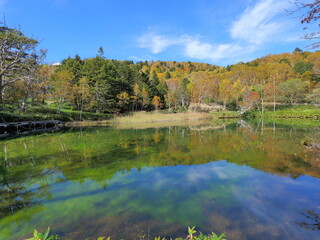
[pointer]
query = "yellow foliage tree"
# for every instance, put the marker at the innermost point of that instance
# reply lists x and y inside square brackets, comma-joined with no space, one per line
[225,91]
[145,98]
[61,83]
[156,102]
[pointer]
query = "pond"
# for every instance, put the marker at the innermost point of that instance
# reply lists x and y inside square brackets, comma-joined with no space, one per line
[250,180]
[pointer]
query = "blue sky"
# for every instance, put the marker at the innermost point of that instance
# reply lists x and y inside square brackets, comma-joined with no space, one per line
[211,31]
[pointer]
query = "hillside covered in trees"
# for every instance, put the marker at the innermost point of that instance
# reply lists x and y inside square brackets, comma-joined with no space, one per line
[110,86]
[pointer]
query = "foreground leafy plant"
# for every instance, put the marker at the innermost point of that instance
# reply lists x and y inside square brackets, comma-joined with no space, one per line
[191,236]
[45,236]
[211,236]
[191,231]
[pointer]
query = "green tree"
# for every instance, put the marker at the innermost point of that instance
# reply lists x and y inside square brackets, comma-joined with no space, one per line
[298,50]
[103,98]
[293,90]
[168,75]
[101,52]
[154,83]
[302,67]
[74,65]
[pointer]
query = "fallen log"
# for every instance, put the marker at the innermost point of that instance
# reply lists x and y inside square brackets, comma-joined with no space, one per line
[16,127]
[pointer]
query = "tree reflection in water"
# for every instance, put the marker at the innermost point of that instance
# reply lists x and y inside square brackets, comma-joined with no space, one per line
[105,179]
[312,222]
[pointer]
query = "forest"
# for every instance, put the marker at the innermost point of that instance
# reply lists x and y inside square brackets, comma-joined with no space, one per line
[102,85]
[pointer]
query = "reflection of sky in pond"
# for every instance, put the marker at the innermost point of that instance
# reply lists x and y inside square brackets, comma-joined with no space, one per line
[218,196]
[124,183]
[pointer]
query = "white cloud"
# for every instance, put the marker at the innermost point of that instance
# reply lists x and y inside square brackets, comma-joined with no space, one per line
[156,43]
[296,38]
[196,49]
[193,47]
[257,25]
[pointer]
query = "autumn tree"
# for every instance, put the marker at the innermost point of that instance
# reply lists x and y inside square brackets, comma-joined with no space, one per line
[43,74]
[278,73]
[123,100]
[183,93]
[315,60]
[18,57]
[171,96]
[250,99]
[81,94]
[261,83]
[203,86]
[237,90]
[61,87]
[31,89]
[314,96]
[145,98]
[136,96]
[225,91]
[156,102]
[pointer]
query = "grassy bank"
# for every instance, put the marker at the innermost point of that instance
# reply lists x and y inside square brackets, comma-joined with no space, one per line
[294,112]
[158,117]
[46,113]
[90,119]
[226,114]
[293,123]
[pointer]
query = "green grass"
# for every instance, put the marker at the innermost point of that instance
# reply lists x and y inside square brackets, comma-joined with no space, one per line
[226,114]
[293,123]
[47,113]
[288,112]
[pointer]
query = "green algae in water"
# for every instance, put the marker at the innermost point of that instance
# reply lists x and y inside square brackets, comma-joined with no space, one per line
[249,181]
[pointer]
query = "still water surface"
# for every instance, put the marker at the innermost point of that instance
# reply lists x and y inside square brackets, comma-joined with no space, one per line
[248,180]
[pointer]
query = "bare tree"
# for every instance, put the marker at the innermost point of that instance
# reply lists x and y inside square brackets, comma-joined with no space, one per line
[18,57]
[310,13]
